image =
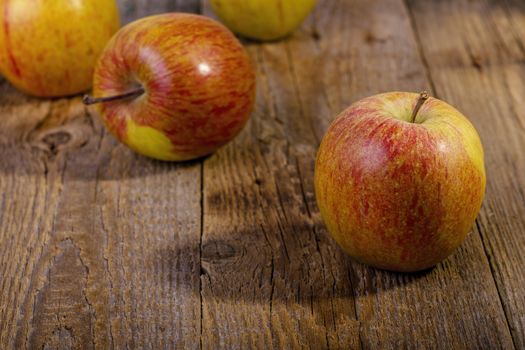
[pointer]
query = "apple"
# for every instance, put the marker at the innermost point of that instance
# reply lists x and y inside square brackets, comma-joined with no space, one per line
[399,180]
[263,19]
[49,48]
[174,86]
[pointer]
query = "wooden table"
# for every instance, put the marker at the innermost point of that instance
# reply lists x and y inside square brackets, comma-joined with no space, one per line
[102,248]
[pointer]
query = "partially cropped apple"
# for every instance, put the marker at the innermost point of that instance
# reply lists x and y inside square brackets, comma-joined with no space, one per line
[263,19]
[174,86]
[399,180]
[49,48]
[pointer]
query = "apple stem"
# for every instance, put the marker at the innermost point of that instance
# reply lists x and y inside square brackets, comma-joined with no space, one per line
[89,100]
[423,96]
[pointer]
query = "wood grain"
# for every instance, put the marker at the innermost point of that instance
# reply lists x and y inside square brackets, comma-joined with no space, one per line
[265,282]
[481,72]
[101,248]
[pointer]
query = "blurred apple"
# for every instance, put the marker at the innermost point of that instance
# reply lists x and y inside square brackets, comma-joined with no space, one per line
[399,180]
[49,48]
[263,19]
[174,86]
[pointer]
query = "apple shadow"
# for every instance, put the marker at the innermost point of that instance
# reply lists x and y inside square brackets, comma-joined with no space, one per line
[242,268]
[11,97]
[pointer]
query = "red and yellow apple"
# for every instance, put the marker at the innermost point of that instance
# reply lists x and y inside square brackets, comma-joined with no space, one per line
[174,86]
[263,19]
[49,48]
[399,180]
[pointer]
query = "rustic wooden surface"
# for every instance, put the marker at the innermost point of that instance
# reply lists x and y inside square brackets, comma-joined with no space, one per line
[101,248]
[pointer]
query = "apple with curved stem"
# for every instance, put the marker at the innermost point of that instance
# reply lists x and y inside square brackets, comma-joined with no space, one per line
[49,48]
[263,19]
[399,180]
[174,86]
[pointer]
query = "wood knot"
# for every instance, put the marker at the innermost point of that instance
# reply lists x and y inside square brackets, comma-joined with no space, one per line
[372,37]
[476,61]
[55,139]
[217,250]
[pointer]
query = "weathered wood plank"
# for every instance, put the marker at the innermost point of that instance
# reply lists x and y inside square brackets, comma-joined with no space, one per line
[27,199]
[266,278]
[99,246]
[476,62]
[271,254]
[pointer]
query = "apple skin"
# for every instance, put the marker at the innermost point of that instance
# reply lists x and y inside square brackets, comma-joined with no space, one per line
[199,86]
[398,195]
[263,19]
[49,48]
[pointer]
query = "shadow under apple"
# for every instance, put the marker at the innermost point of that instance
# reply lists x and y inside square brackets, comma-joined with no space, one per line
[241,268]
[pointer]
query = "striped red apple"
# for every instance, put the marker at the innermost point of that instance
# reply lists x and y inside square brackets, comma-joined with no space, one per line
[49,48]
[174,86]
[399,180]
